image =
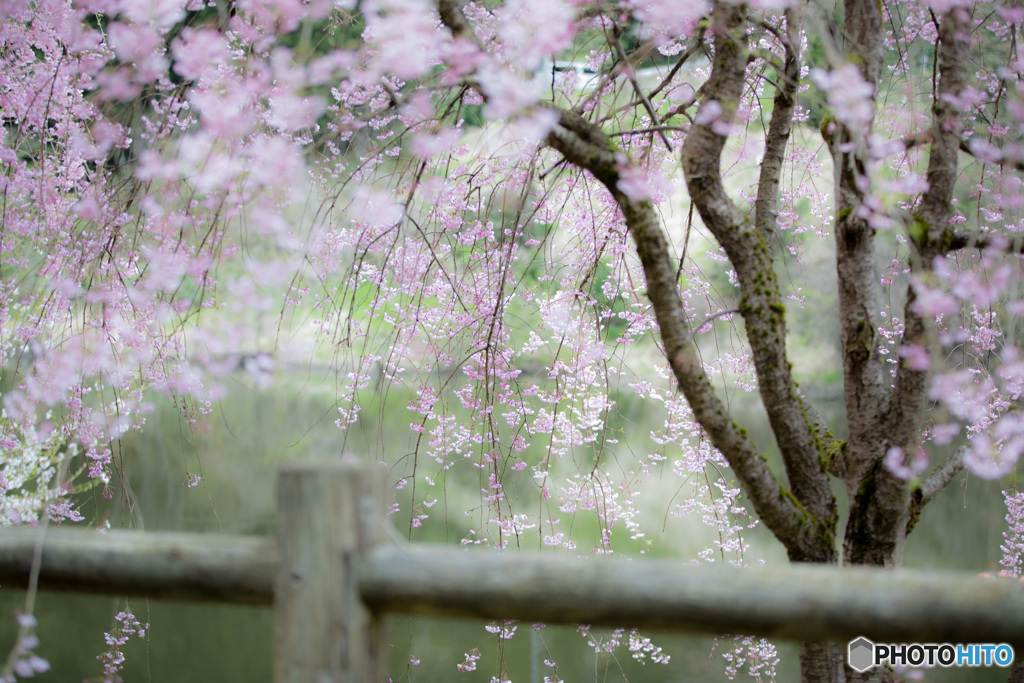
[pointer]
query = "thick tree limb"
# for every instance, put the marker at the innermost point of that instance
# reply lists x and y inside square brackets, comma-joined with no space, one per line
[934,484]
[946,135]
[875,531]
[858,285]
[1015,164]
[954,240]
[942,475]
[586,146]
[884,504]
[922,138]
[799,434]
[766,207]
[910,392]
[453,18]
[883,509]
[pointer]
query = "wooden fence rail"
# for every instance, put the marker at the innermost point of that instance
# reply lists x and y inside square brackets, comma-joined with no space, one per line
[175,566]
[332,574]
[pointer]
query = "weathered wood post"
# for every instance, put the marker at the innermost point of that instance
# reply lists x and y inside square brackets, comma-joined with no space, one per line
[328,515]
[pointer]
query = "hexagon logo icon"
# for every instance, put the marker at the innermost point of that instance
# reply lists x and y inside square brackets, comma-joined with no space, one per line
[861,654]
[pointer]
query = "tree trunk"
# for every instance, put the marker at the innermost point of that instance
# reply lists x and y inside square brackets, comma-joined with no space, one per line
[821,662]
[1017,670]
[826,663]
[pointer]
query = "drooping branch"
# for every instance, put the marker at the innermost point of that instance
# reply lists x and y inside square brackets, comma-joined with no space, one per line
[798,431]
[631,75]
[696,46]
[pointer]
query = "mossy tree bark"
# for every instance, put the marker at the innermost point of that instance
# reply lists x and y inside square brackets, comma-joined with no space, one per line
[881,414]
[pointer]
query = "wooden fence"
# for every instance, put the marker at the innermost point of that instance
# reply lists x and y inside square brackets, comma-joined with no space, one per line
[334,571]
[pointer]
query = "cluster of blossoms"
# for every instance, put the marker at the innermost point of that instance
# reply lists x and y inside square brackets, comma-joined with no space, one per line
[158,158]
[126,626]
[757,655]
[1013,548]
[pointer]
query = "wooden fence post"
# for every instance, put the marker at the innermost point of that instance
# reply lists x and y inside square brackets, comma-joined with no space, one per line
[328,515]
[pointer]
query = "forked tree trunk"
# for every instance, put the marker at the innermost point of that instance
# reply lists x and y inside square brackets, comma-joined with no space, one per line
[802,514]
